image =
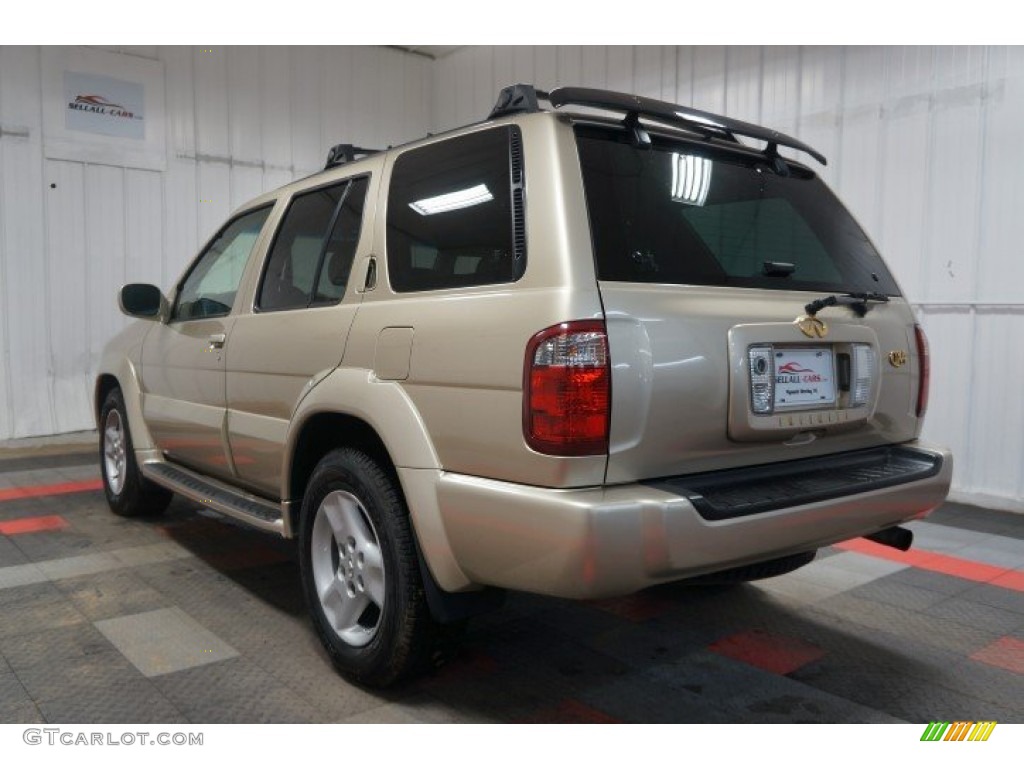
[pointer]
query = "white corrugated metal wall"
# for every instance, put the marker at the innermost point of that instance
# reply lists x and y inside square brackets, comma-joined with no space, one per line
[926,146]
[240,121]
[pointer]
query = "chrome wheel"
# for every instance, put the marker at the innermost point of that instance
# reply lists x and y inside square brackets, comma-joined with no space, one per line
[348,568]
[115,457]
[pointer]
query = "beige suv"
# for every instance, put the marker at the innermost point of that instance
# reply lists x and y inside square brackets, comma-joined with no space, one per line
[553,351]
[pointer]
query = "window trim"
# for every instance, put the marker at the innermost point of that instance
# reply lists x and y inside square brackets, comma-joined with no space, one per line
[172,315]
[347,182]
[518,205]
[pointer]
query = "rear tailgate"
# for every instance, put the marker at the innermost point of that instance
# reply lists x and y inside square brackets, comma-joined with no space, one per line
[706,259]
[681,382]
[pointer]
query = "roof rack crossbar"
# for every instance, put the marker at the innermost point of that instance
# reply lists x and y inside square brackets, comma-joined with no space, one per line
[340,154]
[694,119]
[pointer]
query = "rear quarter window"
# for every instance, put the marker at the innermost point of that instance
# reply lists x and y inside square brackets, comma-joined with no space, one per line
[453,213]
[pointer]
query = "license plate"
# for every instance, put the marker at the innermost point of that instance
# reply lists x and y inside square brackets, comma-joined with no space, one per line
[804,377]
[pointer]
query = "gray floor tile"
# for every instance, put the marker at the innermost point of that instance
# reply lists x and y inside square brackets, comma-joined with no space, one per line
[165,640]
[936,582]
[135,701]
[417,710]
[975,614]
[108,595]
[73,642]
[10,554]
[33,608]
[13,576]
[997,597]
[24,713]
[81,677]
[892,592]
[944,539]
[911,626]
[235,691]
[11,691]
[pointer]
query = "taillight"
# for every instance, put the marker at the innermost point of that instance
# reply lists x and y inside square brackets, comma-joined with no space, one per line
[567,390]
[924,368]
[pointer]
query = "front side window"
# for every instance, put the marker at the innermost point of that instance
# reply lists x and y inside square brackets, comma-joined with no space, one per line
[312,254]
[209,288]
[455,213]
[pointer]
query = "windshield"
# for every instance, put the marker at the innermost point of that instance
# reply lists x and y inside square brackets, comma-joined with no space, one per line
[690,214]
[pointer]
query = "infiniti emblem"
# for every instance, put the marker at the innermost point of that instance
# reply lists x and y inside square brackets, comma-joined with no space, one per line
[811,327]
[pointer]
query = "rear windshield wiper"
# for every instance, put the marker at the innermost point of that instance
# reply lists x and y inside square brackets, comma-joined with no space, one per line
[858,302]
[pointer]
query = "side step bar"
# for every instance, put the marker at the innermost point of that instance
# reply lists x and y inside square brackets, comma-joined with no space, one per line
[251,510]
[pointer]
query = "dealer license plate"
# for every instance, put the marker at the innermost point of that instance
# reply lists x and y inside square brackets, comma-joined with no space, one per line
[804,377]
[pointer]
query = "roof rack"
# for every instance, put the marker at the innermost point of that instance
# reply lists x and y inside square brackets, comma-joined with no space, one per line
[340,154]
[517,98]
[674,114]
[524,98]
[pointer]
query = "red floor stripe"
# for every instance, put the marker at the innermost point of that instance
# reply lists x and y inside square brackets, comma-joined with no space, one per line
[772,653]
[935,562]
[33,491]
[32,525]
[1006,652]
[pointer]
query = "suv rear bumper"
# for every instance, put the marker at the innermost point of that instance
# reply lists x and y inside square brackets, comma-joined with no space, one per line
[601,542]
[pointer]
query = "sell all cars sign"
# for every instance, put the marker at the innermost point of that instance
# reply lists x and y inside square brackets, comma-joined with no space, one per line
[104,105]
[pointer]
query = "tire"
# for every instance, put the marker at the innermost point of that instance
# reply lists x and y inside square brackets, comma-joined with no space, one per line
[360,572]
[129,494]
[766,570]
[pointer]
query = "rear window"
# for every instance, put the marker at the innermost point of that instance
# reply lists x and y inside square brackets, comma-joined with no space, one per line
[687,214]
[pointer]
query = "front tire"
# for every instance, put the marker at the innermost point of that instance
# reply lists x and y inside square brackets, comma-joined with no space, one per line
[360,572]
[129,494]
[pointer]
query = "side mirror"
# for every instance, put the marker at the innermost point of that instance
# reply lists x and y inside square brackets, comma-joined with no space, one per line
[142,300]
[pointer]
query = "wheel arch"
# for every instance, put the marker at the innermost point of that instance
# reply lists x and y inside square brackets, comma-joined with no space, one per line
[351,408]
[124,376]
[105,384]
[320,433]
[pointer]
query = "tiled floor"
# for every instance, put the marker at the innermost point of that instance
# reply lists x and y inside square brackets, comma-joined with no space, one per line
[190,618]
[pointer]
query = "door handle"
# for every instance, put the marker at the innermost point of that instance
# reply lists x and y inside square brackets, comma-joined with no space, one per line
[217,340]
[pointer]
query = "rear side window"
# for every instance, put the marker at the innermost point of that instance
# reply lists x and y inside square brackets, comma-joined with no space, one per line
[310,260]
[456,213]
[687,214]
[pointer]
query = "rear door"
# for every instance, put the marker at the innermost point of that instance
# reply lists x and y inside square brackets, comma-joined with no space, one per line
[296,329]
[706,259]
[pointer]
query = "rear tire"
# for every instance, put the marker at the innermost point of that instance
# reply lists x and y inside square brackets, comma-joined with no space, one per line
[360,573]
[129,494]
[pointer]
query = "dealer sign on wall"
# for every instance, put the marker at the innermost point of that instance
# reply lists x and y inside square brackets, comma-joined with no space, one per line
[104,105]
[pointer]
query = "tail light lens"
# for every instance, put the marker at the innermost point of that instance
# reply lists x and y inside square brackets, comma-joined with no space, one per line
[924,367]
[567,390]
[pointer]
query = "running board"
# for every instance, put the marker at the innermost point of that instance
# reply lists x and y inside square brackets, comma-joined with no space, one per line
[251,510]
